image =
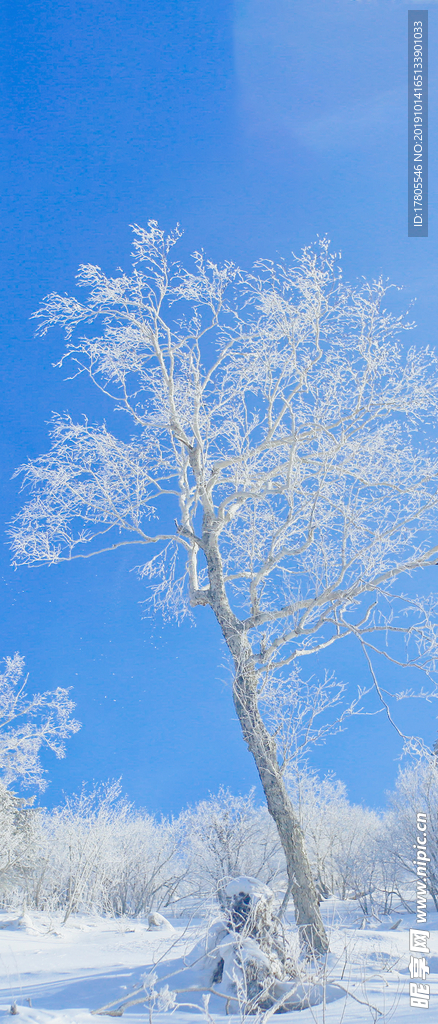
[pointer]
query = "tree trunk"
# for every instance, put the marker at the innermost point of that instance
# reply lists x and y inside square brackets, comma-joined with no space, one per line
[312,934]
[262,746]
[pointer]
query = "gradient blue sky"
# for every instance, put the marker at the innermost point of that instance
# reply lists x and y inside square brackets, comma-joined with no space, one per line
[257,126]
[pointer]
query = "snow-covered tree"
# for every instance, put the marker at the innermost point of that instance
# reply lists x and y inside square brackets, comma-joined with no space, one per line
[145,864]
[279,415]
[227,836]
[30,723]
[17,846]
[416,792]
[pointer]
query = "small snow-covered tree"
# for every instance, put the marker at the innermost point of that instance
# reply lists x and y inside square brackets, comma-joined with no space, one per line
[416,791]
[17,846]
[145,865]
[227,836]
[82,834]
[30,723]
[277,422]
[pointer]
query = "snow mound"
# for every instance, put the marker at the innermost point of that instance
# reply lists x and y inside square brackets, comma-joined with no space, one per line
[209,942]
[32,1015]
[247,886]
[156,922]
[23,923]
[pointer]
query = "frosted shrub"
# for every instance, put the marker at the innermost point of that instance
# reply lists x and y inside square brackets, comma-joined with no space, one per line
[227,836]
[416,791]
[18,827]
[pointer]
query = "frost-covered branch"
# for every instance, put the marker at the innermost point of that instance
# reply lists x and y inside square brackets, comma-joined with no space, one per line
[30,723]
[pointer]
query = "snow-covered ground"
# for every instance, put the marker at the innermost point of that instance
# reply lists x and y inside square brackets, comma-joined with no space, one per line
[57,974]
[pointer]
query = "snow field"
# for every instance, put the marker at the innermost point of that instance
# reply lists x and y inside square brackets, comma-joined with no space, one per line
[68,971]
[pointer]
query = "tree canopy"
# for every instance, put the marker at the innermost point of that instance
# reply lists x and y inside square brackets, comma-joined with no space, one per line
[281,406]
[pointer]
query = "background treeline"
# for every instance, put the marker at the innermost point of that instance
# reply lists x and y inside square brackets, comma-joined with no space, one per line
[98,854]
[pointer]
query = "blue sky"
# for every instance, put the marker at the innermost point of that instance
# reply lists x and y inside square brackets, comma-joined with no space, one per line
[257,126]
